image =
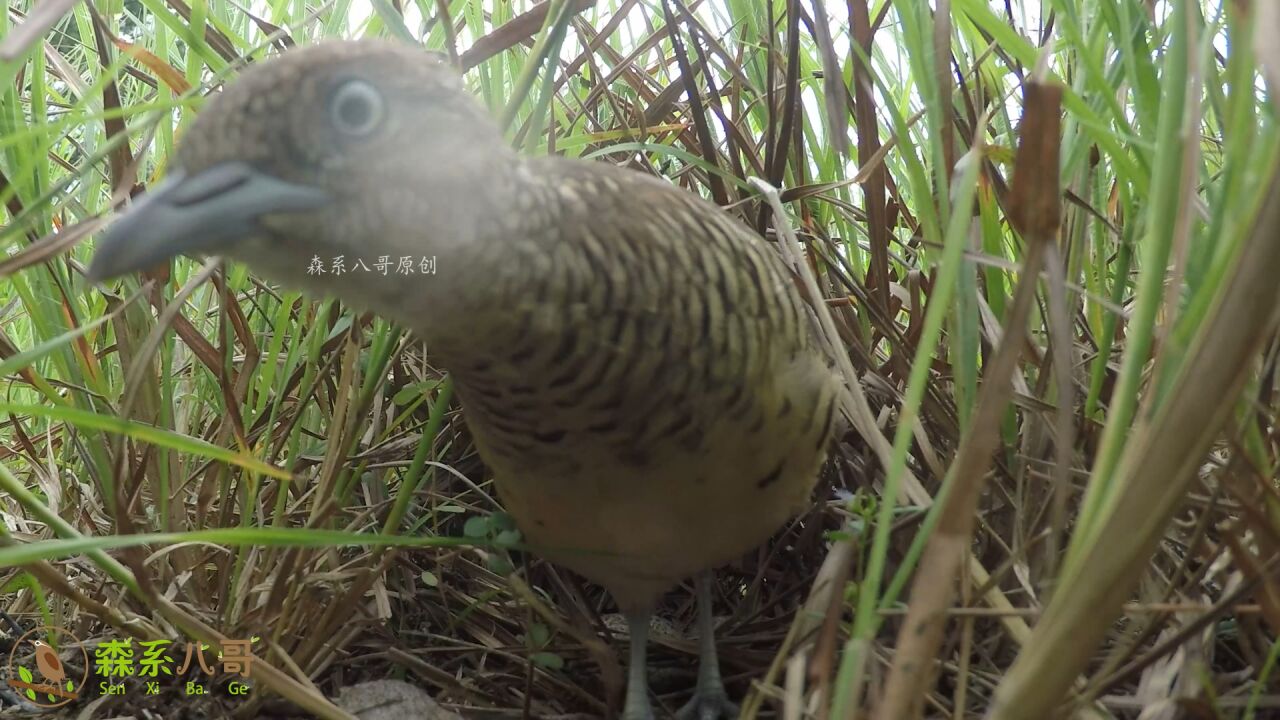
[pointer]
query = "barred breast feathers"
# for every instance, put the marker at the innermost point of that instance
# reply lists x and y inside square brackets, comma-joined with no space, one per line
[637,317]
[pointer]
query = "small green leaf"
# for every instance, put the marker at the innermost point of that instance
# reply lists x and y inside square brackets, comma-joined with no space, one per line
[538,635]
[499,565]
[548,660]
[507,538]
[456,509]
[476,527]
[31,693]
[414,392]
[503,521]
[429,579]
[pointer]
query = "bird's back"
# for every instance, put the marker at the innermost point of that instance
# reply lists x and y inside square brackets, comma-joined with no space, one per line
[641,375]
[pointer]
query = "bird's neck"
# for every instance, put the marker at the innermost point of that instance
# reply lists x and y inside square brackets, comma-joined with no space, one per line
[471,254]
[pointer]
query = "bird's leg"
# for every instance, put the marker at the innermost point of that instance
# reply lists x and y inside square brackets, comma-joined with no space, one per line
[709,701]
[637,705]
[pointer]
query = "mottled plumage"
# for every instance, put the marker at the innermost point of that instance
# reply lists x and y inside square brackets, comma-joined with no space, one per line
[637,367]
[641,377]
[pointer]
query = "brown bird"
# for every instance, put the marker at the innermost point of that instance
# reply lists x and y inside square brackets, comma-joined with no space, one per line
[49,664]
[637,367]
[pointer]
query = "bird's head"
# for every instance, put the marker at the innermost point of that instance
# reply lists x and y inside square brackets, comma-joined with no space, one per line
[48,662]
[362,150]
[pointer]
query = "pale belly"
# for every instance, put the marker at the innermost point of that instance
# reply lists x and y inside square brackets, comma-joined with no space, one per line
[640,530]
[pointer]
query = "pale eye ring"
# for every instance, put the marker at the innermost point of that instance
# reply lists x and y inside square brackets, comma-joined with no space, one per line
[356,108]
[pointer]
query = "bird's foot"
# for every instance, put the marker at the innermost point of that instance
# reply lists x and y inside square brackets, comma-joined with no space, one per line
[708,704]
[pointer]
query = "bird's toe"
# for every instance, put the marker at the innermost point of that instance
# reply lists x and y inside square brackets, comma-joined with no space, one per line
[708,705]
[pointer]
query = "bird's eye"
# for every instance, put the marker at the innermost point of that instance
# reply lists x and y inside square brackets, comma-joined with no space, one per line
[356,108]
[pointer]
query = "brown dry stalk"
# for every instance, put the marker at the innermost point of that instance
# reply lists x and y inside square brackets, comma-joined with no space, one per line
[1160,462]
[1034,211]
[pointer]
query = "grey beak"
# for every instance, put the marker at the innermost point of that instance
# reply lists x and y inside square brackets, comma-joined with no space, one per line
[196,214]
